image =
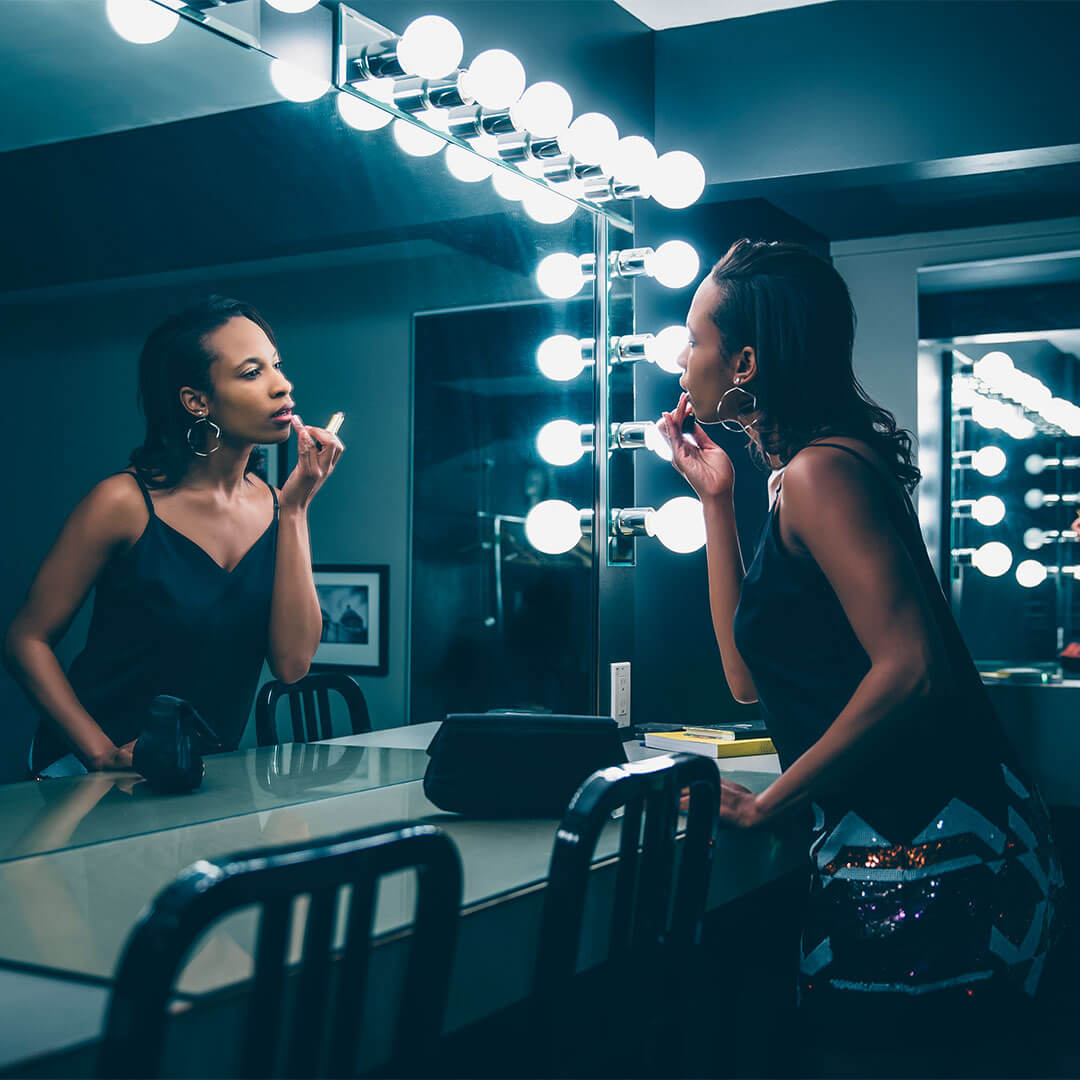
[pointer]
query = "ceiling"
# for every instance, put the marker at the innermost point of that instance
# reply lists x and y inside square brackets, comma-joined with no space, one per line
[665,14]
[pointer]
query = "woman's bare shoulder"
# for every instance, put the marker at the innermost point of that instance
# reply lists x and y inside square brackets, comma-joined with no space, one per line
[113,508]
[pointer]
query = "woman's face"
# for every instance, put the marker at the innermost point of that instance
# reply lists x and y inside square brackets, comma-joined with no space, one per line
[249,387]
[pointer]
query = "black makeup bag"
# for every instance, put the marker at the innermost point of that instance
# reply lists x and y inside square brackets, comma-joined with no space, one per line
[506,764]
[169,752]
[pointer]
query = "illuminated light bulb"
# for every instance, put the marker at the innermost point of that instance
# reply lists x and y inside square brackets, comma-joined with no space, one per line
[553,526]
[292,7]
[560,358]
[496,79]
[361,115]
[544,110]
[676,180]
[431,47]
[656,441]
[631,160]
[415,140]
[990,461]
[559,442]
[674,264]
[665,348]
[140,21]
[570,189]
[680,525]
[993,559]
[379,89]
[1034,499]
[1034,464]
[1031,573]
[994,369]
[1056,411]
[1019,427]
[559,276]
[546,206]
[465,166]
[590,138]
[510,185]
[487,145]
[295,83]
[1034,539]
[963,392]
[989,510]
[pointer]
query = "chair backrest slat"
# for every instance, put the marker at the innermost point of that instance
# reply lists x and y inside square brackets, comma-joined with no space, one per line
[268,985]
[305,1050]
[309,707]
[352,980]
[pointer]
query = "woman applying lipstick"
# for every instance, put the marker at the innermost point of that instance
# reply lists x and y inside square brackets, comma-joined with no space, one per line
[201,569]
[935,883]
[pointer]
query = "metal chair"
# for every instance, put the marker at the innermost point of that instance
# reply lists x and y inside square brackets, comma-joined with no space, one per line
[309,707]
[656,913]
[321,1036]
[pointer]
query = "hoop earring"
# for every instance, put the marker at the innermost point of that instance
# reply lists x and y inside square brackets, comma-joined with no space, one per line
[216,435]
[735,425]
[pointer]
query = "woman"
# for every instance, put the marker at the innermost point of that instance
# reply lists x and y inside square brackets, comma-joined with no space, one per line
[934,878]
[201,569]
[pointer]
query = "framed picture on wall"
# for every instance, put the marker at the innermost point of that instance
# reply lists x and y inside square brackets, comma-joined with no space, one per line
[356,617]
[271,470]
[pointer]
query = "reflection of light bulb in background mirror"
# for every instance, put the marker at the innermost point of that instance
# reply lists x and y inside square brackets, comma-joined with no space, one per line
[553,526]
[546,206]
[559,276]
[656,441]
[990,461]
[559,442]
[140,21]
[488,145]
[1034,499]
[295,83]
[510,185]
[676,180]
[543,110]
[674,264]
[292,7]
[994,369]
[1034,464]
[559,358]
[680,524]
[590,138]
[1033,539]
[631,160]
[431,47]
[416,141]
[989,510]
[993,559]
[1030,573]
[495,79]
[361,115]
[665,348]
[465,166]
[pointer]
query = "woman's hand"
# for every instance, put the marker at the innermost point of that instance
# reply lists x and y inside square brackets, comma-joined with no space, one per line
[115,757]
[1075,526]
[707,469]
[313,465]
[738,805]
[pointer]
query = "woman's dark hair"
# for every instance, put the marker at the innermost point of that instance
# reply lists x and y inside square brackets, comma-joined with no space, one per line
[793,308]
[176,355]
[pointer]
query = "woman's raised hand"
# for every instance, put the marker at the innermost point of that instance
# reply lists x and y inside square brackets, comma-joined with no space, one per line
[1075,526]
[313,464]
[708,470]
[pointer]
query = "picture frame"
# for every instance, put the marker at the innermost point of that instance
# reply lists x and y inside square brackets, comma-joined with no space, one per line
[356,617]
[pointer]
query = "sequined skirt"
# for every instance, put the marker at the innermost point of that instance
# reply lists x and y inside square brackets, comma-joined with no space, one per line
[964,902]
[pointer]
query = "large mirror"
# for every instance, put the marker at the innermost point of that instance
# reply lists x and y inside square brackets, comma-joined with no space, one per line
[402,290]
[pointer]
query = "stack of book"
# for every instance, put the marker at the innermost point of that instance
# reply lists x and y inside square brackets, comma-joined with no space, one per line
[733,740]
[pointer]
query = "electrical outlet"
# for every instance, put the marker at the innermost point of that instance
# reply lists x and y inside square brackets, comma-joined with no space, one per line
[620,693]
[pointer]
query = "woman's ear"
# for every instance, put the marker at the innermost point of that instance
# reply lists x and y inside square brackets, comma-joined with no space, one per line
[746,364]
[193,401]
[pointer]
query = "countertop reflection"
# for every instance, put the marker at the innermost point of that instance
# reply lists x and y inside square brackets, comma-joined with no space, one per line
[53,815]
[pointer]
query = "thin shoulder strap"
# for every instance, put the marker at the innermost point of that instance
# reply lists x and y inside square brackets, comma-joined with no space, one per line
[273,493]
[145,493]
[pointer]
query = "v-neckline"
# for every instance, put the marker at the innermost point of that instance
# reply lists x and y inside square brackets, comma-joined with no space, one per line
[200,548]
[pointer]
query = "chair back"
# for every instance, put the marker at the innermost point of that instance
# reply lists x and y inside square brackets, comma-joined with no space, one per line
[321,1036]
[309,707]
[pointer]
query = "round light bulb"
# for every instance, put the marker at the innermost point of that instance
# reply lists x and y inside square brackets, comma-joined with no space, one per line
[543,110]
[360,114]
[677,179]
[590,138]
[296,83]
[487,145]
[559,276]
[415,140]
[1031,573]
[553,526]
[1033,539]
[994,369]
[559,358]
[1034,499]
[140,21]
[993,559]
[631,160]
[989,510]
[990,461]
[510,185]
[466,166]
[431,47]
[547,207]
[1034,464]
[656,441]
[674,264]
[680,524]
[495,79]
[292,7]
[665,348]
[559,442]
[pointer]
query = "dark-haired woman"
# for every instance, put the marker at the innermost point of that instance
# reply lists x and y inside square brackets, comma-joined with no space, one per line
[935,884]
[201,569]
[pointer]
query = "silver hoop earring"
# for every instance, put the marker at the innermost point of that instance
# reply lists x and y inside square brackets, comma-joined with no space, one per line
[735,425]
[216,435]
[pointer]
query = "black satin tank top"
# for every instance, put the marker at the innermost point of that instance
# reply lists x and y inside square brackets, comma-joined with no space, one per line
[168,619]
[806,663]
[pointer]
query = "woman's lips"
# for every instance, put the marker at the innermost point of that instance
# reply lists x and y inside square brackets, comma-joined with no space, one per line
[281,418]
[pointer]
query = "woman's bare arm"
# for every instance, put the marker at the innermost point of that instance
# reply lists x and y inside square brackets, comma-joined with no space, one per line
[107,518]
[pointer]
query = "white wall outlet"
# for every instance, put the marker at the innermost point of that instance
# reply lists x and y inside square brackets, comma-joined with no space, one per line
[620,693]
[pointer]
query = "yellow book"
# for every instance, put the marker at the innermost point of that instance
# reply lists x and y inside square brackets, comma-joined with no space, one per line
[707,745]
